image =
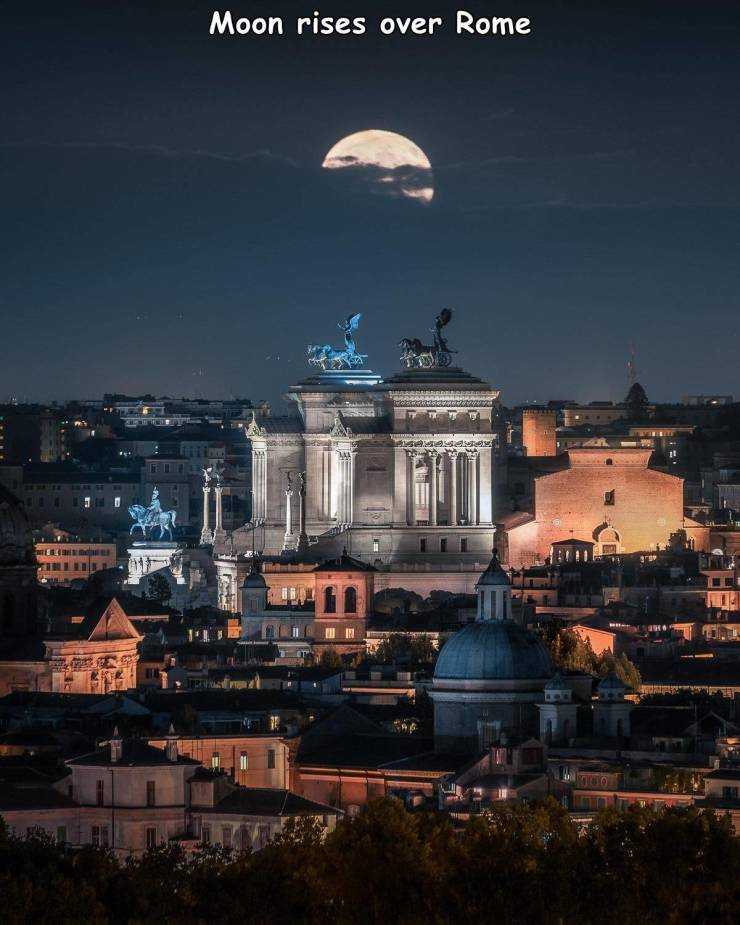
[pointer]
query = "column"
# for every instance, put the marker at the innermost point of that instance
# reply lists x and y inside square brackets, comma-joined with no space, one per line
[433,456]
[485,486]
[259,483]
[205,534]
[473,487]
[351,485]
[302,535]
[400,486]
[452,456]
[411,492]
[287,540]
[219,511]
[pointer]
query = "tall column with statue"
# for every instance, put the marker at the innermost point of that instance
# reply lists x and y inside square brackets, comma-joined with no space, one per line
[206,537]
[288,539]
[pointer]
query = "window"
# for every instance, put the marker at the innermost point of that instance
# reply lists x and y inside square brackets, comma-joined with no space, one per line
[244,761]
[350,600]
[284,594]
[166,467]
[151,793]
[215,761]
[609,497]
[269,632]
[226,836]
[271,758]
[376,545]
[295,632]
[330,600]
[87,502]
[152,467]
[463,544]
[443,544]
[117,501]
[99,836]
[610,462]
[349,633]
[61,834]
[100,792]
[330,633]
[422,544]
[151,837]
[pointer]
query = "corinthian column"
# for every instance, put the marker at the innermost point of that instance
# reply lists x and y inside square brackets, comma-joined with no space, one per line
[205,534]
[473,487]
[219,529]
[433,455]
[452,456]
[411,478]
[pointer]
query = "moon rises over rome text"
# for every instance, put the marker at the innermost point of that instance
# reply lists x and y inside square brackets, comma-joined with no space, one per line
[226,23]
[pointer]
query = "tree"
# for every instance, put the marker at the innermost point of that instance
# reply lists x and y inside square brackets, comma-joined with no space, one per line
[330,659]
[158,588]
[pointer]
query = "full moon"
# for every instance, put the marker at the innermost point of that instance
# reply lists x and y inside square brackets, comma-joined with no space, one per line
[390,164]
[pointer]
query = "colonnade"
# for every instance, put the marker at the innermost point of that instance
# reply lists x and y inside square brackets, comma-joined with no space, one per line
[462,493]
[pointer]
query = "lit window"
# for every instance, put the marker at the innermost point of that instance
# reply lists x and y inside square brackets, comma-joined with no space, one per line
[215,761]
[87,502]
[117,501]
[244,761]
[284,594]
[376,545]
[349,632]
[295,632]
[330,633]
[151,837]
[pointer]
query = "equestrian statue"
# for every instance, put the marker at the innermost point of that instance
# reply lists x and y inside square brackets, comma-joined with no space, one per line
[147,518]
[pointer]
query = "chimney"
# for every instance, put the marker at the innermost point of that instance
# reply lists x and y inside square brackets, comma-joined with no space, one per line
[116,746]
[171,745]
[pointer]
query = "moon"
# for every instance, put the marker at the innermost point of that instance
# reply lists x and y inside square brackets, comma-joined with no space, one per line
[390,164]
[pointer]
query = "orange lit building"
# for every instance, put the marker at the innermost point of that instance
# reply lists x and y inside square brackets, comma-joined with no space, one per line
[608,496]
[62,560]
[538,431]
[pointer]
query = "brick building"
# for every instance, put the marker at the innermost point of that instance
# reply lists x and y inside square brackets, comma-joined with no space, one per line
[608,496]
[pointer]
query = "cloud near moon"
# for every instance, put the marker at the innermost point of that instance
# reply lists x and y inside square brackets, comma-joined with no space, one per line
[385,163]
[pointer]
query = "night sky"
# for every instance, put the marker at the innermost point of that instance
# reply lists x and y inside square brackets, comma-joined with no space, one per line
[166,225]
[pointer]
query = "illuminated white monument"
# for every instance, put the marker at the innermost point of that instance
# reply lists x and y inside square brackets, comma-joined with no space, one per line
[398,471]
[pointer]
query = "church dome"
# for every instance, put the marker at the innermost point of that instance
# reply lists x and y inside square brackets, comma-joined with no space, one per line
[494,575]
[16,541]
[493,650]
[254,578]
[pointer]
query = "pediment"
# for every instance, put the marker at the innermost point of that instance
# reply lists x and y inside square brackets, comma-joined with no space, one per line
[113,624]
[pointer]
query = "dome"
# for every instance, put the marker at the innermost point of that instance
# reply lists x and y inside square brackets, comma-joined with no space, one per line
[493,650]
[557,683]
[494,575]
[254,578]
[16,541]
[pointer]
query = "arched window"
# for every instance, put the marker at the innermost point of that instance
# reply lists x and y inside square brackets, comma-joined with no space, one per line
[330,600]
[269,632]
[610,462]
[350,600]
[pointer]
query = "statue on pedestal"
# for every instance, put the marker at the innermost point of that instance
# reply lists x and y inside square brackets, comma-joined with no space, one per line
[147,518]
[326,357]
[417,355]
